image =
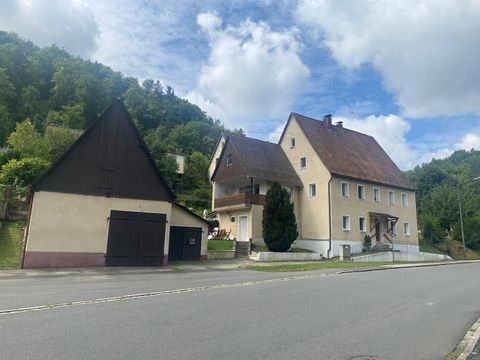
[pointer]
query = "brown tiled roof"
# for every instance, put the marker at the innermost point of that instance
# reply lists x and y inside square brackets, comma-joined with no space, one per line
[264,160]
[351,154]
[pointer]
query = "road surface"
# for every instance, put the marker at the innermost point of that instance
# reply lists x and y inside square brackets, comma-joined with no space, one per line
[415,313]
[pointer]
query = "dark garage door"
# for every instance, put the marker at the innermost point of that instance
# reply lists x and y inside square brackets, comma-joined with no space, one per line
[185,243]
[135,239]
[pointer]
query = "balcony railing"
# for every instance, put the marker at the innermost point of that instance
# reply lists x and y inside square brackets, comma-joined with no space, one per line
[239,200]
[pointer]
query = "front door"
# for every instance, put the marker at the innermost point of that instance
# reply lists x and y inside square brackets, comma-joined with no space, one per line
[242,228]
[185,243]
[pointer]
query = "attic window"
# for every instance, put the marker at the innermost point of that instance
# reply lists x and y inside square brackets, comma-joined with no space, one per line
[229,160]
[303,162]
[292,143]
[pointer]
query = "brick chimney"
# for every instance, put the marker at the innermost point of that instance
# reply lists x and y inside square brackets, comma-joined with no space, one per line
[327,121]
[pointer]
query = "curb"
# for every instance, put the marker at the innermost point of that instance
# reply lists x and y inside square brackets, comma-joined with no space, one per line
[467,344]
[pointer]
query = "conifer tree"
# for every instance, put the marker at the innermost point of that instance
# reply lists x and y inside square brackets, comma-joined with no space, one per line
[279,224]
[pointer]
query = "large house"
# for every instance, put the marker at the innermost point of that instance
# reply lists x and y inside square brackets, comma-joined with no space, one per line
[342,184]
[105,203]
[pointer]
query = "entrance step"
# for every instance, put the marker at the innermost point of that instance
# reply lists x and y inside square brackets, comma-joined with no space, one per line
[242,249]
[380,247]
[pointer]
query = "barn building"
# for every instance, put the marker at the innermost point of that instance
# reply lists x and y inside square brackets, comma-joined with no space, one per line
[105,203]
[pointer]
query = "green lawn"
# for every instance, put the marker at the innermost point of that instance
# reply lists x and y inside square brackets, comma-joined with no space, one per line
[220,245]
[11,235]
[324,264]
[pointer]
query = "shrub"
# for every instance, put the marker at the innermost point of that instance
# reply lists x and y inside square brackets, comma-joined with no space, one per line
[279,224]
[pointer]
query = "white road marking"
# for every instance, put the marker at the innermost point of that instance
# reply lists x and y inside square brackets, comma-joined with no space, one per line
[156,293]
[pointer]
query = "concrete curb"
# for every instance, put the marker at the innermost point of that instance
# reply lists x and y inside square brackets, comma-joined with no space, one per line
[214,265]
[467,344]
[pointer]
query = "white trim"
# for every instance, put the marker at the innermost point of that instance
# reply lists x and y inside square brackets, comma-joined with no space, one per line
[229,157]
[238,227]
[364,224]
[406,229]
[379,194]
[404,196]
[310,192]
[349,225]
[347,193]
[293,143]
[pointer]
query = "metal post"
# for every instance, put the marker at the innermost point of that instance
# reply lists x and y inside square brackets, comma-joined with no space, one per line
[461,223]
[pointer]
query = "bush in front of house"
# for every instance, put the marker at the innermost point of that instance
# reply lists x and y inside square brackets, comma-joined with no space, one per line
[279,224]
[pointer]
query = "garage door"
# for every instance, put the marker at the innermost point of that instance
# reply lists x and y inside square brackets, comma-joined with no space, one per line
[135,239]
[185,243]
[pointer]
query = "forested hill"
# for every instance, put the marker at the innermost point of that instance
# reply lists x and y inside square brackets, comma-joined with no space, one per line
[438,185]
[48,96]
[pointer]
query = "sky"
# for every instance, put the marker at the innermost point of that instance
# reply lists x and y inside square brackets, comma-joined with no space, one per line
[405,72]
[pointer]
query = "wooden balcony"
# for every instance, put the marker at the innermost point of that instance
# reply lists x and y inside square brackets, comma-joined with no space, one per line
[238,201]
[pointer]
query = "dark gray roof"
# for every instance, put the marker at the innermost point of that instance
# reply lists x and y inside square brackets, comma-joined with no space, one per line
[264,160]
[348,153]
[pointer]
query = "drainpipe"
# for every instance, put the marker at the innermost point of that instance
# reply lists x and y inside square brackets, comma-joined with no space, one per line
[329,221]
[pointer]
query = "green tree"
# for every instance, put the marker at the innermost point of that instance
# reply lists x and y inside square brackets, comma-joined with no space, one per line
[26,141]
[279,224]
[23,172]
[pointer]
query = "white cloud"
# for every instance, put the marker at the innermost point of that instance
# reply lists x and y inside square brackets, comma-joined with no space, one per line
[66,23]
[253,72]
[427,51]
[469,141]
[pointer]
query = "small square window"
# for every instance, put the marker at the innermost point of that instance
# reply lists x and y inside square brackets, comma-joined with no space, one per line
[312,190]
[303,162]
[229,160]
[406,229]
[391,197]
[376,194]
[361,192]
[404,199]
[362,224]
[292,143]
[345,189]
[346,223]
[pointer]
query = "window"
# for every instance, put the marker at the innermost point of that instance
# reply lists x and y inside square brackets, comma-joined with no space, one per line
[406,228]
[361,192]
[229,160]
[292,143]
[391,197]
[404,199]
[392,227]
[303,162]
[345,189]
[346,223]
[376,194]
[312,190]
[362,224]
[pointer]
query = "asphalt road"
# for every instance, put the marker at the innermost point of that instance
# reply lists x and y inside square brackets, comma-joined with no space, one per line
[417,313]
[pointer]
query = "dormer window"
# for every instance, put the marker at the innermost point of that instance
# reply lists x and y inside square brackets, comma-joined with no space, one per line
[292,143]
[229,160]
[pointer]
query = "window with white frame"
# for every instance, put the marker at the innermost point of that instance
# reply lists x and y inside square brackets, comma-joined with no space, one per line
[346,223]
[376,194]
[404,199]
[361,192]
[406,228]
[392,227]
[292,142]
[312,190]
[362,224]
[303,162]
[229,160]
[391,197]
[345,189]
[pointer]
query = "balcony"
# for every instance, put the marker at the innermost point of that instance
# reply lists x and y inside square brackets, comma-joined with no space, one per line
[238,201]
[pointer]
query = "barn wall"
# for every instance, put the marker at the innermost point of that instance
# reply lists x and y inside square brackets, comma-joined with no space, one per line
[180,217]
[72,230]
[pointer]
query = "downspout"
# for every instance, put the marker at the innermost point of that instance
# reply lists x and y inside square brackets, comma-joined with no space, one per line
[329,221]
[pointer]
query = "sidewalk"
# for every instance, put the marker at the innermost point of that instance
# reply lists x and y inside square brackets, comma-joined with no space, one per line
[189,266]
